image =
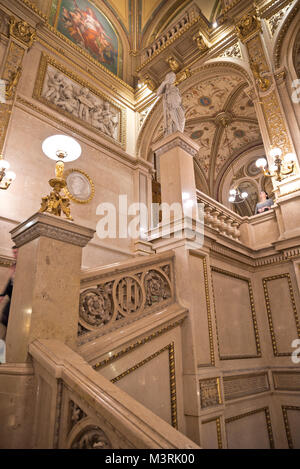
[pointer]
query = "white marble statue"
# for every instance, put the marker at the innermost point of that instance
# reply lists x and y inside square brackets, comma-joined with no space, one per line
[174,115]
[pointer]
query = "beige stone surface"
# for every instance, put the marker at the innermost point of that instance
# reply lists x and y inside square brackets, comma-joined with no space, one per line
[47,283]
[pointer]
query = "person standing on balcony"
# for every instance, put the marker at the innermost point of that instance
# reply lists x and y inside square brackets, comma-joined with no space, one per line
[264,203]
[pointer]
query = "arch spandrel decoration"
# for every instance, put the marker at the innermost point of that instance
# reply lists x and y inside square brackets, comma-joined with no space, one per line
[82,23]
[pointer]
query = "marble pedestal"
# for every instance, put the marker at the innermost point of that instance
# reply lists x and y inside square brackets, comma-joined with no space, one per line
[47,283]
[177,175]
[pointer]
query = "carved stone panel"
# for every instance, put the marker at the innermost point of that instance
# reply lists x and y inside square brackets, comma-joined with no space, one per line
[68,94]
[91,437]
[210,395]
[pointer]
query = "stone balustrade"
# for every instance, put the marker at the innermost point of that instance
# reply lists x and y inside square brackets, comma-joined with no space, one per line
[220,218]
[112,297]
[168,35]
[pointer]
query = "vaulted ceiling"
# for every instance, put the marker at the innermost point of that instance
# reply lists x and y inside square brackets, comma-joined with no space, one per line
[221,118]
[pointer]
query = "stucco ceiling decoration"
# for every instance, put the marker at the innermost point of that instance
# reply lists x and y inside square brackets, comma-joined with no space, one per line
[208,105]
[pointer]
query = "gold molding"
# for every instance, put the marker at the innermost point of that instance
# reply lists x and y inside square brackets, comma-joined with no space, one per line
[6,262]
[248,26]
[285,409]
[22,31]
[71,196]
[140,342]
[37,94]
[35,9]
[171,350]
[208,309]
[218,425]
[256,411]
[253,315]
[269,313]
[215,381]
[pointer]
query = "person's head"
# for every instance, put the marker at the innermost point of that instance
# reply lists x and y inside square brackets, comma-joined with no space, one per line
[263,196]
[15,251]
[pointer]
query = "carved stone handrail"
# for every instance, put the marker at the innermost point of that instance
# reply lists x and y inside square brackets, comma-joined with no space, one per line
[114,296]
[87,411]
[220,218]
[170,34]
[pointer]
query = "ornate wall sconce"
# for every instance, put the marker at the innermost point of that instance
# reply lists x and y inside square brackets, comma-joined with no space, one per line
[62,149]
[236,196]
[6,177]
[283,166]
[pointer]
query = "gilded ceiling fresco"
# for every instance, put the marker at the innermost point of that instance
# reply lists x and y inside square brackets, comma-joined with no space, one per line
[81,22]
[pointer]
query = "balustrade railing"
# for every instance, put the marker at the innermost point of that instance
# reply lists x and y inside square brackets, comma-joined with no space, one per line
[168,35]
[220,218]
[115,296]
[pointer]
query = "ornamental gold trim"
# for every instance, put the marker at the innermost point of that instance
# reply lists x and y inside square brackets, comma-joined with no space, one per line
[252,412]
[269,312]
[71,196]
[218,427]
[171,350]
[21,31]
[37,94]
[285,409]
[140,342]
[253,315]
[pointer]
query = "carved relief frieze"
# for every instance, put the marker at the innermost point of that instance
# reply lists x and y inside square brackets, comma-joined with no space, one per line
[72,96]
[91,437]
[210,394]
[233,52]
[276,19]
[245,385]
[76,414]
[286,380]
[115,302]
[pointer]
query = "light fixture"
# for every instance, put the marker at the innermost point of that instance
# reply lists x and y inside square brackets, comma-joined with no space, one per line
[235,195]
[282,167]
[215,24]
[60,148]
[6,177]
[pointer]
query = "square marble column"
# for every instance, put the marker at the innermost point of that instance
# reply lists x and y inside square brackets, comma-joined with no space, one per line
[45,298]
[177,175]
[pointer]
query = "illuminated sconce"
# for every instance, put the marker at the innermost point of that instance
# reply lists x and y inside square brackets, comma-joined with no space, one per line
[62,149]
[6,177]
[282,167]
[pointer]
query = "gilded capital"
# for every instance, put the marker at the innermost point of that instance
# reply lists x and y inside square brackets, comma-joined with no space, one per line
[247,27]
[22,31]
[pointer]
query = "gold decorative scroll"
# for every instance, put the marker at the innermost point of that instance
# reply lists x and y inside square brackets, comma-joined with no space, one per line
[21,31]
[5,112]
[12,68]
[248,26]
[276,127]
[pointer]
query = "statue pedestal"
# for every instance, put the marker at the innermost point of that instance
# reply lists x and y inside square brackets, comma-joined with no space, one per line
[47,283]
[177,175]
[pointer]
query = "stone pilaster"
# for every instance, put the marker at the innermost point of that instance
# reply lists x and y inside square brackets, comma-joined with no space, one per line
[47,283]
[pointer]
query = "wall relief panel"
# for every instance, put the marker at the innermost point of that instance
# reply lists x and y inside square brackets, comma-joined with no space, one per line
[72,96]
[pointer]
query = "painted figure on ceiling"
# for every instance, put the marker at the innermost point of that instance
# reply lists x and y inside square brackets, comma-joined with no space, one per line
[87,31]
